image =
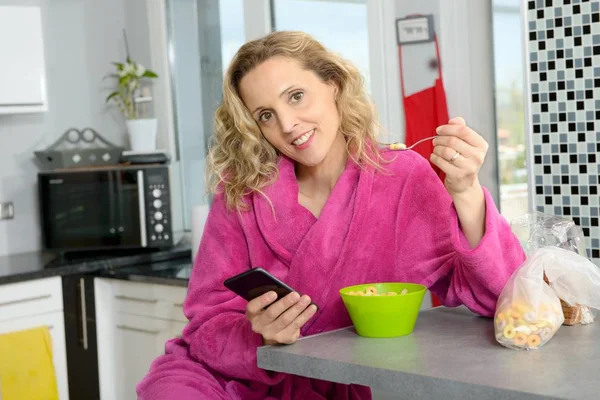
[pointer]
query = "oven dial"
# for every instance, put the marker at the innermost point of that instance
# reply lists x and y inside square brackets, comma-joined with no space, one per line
[156,193]
[158,215]
[158,228]
[157,203]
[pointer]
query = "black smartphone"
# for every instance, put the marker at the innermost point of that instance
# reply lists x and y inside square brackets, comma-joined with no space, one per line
[256,282]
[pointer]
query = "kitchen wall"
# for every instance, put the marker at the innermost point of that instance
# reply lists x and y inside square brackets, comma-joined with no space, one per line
[563,53]
[81,38]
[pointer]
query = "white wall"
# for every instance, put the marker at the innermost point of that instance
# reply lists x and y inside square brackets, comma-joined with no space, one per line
[81,38]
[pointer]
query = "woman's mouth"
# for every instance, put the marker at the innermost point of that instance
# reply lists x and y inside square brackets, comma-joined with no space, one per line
[304,138]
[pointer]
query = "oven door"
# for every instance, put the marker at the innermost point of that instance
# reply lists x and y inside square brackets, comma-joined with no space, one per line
[79,210]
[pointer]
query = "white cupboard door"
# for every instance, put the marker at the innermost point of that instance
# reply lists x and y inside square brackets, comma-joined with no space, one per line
[56,324]
[127,345]
[22,70]
[137,342]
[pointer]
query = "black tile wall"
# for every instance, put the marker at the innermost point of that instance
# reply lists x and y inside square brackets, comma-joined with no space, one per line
[564,74]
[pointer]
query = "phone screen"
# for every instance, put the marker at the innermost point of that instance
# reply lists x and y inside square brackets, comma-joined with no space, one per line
[256,282]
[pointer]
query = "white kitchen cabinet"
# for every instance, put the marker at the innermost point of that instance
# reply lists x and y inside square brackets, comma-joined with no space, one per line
[22,64]
[133,322]
[33,304]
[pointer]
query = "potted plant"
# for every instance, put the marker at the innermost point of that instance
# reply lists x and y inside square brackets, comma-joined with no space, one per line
[141,128]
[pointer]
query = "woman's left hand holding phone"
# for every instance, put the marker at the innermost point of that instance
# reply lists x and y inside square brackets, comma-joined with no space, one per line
[280,322]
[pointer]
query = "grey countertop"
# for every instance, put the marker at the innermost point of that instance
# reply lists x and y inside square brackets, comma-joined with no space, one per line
[452,354]
[170,266]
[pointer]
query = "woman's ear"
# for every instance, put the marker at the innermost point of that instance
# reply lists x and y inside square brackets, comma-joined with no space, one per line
[336,89]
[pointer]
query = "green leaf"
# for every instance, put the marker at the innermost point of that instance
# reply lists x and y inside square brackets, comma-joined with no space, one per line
[119,65]
[110,96]
[149,74]
[111,76]
[124,80]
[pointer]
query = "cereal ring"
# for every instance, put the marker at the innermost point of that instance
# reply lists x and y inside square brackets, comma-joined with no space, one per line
[545,334]
[520,339]
[524,329]
[534,341]
[371,290]
[501,324]
[404,291]
[351,293]
[534,328]
[392,293]
[509,332]
[515,315]
[397,146]
[501,316]
[521,308]
[359,293]
[530,316]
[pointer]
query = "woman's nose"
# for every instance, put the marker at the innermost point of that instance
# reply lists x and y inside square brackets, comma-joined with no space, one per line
[288,120]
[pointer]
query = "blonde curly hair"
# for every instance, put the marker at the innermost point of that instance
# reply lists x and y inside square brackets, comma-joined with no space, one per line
[240,160]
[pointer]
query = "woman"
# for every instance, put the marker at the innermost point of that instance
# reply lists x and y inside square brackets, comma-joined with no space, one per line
[304,191]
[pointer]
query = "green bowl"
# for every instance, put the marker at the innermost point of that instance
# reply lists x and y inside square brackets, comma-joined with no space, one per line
[384,316]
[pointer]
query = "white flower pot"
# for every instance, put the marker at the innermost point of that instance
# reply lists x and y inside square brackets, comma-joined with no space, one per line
[142,134]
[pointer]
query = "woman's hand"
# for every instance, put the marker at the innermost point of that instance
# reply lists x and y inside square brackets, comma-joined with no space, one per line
[281,322]
[459,151]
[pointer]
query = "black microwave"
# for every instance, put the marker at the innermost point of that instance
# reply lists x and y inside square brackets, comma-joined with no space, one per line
[118,207]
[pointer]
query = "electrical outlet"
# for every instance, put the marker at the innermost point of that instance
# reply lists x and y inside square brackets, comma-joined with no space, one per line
[7,210]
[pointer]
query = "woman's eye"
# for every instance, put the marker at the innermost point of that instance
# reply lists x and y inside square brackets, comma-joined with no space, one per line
[264,117]
[297,96]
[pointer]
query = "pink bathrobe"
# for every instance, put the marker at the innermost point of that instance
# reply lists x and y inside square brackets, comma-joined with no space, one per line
[399,226]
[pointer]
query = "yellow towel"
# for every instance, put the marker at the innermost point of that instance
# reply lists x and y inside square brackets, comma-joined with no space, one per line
[26,369]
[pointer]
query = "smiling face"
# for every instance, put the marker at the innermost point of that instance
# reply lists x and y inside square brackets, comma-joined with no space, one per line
[294,109]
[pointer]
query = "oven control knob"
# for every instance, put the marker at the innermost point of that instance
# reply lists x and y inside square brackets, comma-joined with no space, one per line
[156,193]
[158,215]
[157,203]
[158,228]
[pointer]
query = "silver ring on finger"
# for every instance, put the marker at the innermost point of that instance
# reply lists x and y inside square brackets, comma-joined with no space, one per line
[454,157]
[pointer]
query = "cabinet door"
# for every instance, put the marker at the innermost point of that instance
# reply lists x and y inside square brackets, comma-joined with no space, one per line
[137,341]
[55,322]
[22,78]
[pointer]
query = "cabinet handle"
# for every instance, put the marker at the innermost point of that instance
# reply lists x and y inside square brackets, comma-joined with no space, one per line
[83,313]
[121,297]
[9,303]
[131,328]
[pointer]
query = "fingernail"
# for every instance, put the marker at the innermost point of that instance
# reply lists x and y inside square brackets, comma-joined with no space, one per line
[305,300]
[438,129]
[295,296]
[271,296]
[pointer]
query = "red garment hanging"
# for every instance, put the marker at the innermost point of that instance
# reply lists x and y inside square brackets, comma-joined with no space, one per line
[424,111]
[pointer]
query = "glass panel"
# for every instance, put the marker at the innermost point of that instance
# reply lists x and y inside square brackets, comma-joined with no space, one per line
[510,108]
[129,209]
[340,25]
[204,36]
[80,210]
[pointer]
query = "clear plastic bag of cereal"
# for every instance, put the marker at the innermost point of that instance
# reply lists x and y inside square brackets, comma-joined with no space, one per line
[536,230]
[529,311]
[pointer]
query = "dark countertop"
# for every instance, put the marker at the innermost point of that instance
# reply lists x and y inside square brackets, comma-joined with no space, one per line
[171,267]
[171,272]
